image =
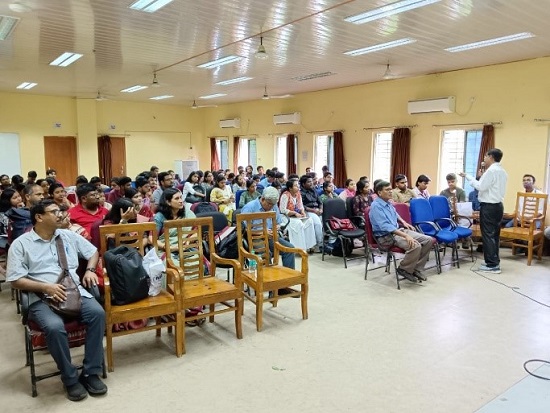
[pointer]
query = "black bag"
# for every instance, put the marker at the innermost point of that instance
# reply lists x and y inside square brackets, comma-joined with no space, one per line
[205,207]
[229,247]
[337,247]
[129,281]
[191,199]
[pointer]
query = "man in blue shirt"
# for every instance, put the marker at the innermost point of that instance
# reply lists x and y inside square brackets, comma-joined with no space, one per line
[385,223]
[268,202]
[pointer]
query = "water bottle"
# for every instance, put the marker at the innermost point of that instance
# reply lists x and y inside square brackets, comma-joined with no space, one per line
[252,266]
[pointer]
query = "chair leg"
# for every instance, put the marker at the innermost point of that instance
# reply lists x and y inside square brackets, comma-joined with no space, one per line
[238,317]
[529,251]
[109,349]
[455,250]
[343,251]
[30,361]
[212,309]
[304,301]
[392,257]
[259,309]
[180,334]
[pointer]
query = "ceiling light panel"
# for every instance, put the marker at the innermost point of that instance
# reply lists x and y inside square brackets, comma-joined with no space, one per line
[312,76]
[220,62]
[26,85]
[378,47]
[7,26]
[133,89]
[66,59]
[215,95]
[490,42]
[388,10]
[161,97]
[235,80]
[149,6]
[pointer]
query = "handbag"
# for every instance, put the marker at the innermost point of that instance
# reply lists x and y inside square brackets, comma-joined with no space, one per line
[72,305]
[341,224]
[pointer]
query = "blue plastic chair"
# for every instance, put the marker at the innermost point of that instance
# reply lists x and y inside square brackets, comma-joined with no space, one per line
[422,218]
[238,196]
[442,217]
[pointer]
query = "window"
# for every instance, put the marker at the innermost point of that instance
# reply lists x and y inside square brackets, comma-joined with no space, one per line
[323,153]
[223,153]
[247,152]
[459,152]
[381,156]
[280,153]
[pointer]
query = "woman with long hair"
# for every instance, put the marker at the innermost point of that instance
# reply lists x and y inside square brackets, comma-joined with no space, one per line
[192,189]
[238,183]
[349,190]
[250,194]
[208,181]
[9,199]
[328,192]
[144,213]
[59,195]
[223,197]
[249,172]
[300,227]
[361,200]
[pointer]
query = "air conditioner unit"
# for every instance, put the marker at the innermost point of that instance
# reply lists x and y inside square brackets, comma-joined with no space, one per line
[441,105]
[287,118]
[230,123]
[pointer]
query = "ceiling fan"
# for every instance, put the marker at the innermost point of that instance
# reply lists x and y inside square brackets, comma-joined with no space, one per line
[266,96]
[195,106]
[99,97]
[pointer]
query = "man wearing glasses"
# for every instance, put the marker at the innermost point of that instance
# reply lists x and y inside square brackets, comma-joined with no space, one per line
[33,266]
[88,210]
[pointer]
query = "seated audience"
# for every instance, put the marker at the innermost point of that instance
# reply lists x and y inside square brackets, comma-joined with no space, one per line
[328,192]
[33,266]
[249,172]
[312,205]
[268,179]
[238,183]
[52,174]
[124,182]
[31,177]
[473,197]
[452,192]
[192,190]
[9,199]
[421,189]
[529,187]
[143,187]
[165,182]
[402,193]
[249,195]
[349,190]
[223,197]
[103,201]
[385,225]
[143,212]
[21,217]
[88,209]
[59,196]
[208,181]
[361,200]
[5,182]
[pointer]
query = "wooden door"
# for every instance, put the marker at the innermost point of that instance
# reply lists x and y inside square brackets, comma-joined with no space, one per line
[118,157]
[60,154]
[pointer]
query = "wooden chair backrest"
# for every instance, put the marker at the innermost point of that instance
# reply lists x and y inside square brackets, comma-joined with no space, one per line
[530,209]
[131,235]
[257,233]
[190,234]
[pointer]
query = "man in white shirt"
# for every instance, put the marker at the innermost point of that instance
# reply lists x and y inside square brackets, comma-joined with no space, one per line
[492,187]
[529,187]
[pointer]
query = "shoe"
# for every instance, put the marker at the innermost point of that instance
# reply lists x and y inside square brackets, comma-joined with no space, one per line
[406,274]
[285,291]
[76,392]
[479,248]
[93,384]
[419,275]
[489,270]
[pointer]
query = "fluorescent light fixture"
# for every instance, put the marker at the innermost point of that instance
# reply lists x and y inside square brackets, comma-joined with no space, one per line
[26,85]
[161,97]
[220,62]
[312,76]
[149,6]
[388,10]
[378,47]
[490,42]
[133,89]
[231,81]
[7,26]
[66,59]
[215,95]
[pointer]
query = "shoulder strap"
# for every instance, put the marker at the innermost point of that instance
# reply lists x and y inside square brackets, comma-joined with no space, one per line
[62,257]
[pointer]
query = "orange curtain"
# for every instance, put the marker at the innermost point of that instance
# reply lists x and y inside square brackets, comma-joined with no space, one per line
[487,142]
[340,174]
[104,152]
[400,153]
[291,154]
[214,160]
[236,151]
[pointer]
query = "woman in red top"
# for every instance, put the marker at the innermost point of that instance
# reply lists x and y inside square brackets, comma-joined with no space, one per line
[144,213]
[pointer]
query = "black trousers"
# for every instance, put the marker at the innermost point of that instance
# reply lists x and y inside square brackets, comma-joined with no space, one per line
[490,216]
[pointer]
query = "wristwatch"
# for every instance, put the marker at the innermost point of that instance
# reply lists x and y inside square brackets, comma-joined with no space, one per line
[91,270]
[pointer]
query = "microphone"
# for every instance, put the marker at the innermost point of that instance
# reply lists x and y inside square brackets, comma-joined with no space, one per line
[482,167]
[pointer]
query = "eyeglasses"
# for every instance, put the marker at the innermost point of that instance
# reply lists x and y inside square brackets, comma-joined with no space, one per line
[56,212]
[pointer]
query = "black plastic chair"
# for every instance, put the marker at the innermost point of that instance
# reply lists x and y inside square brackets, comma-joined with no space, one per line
[336,208]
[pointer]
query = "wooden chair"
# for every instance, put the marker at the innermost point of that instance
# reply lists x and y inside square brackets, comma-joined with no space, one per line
[524,232]
[164,308]
[252,228]
[197,288]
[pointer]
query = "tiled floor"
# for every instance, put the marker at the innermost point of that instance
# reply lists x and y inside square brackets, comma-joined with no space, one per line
[451,344]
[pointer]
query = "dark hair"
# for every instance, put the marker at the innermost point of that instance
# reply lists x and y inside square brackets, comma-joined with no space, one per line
[279,175]
[381,184]
[153,168]
[123,180]
[40,208]
[230,176]
[258,168]
[84,190]
[4,175]
[81,179]
[269,173]
[303,179]
[163,206]
[276,184]
[530,176]
[495,153]
[95,180]
[360,186]
[130,192]
[190,177]
[399,177]
[249,183]
[50,180]
[114,214]
[114,179]
[50,170]
[348,181]
[32,174]
[422,178]
[290,183]
[219,178]
[161,176]
[53,187]
[141,180]
[5,199]
[256,177]
[294,176]
[376,181]
[451,177]
[326,184]
[17,179]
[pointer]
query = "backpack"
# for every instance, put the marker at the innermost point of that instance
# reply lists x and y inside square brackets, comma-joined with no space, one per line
[191,199]
[129,281]
[20,222]
[204,207]
[229,247]
[337,248]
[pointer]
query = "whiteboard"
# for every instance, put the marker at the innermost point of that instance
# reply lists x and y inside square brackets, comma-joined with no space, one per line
[10,156]
[184,168]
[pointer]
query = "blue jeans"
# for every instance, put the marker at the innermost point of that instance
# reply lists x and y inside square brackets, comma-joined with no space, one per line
[510,224]
[58,344]
[288,257]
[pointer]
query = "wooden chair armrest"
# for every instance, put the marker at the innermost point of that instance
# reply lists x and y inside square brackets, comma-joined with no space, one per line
[282,248]
[106,290]
[509,215]
[237,267]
